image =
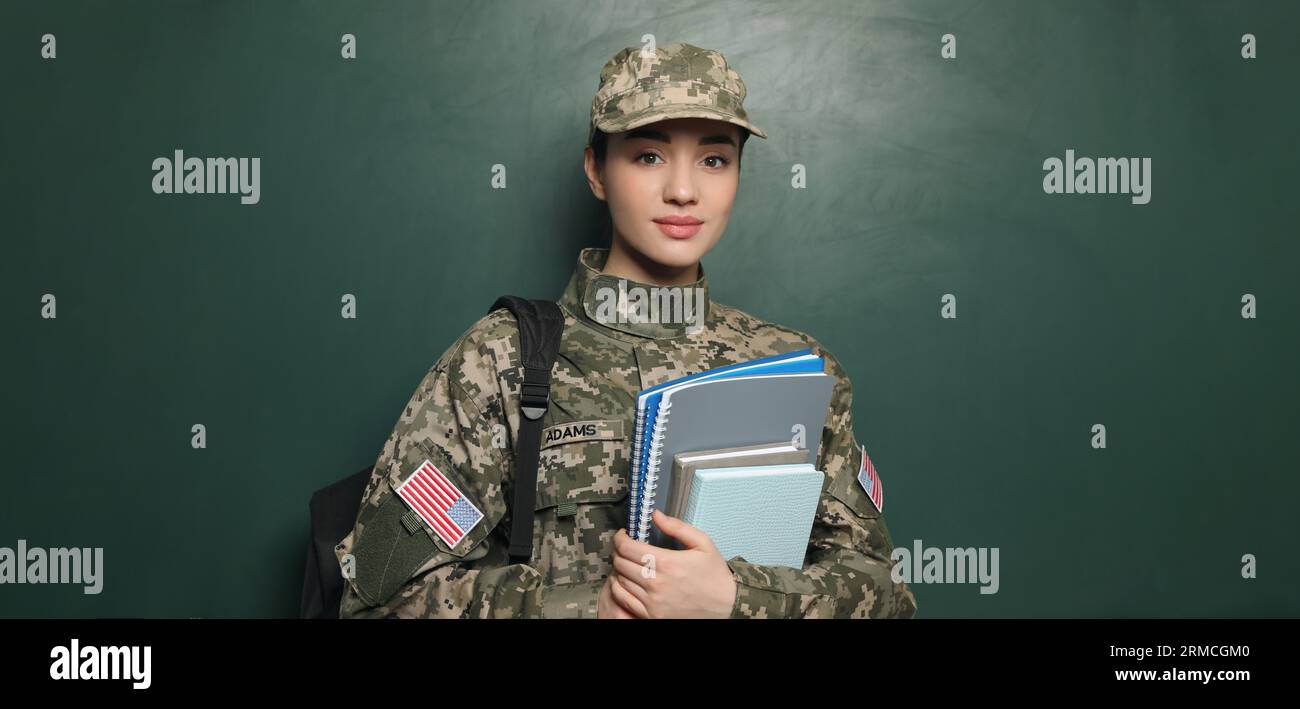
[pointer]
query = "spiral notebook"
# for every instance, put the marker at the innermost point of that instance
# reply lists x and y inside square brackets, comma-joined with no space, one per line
[771,399]
[648,407]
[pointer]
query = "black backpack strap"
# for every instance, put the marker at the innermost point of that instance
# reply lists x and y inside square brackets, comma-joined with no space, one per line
[540,325]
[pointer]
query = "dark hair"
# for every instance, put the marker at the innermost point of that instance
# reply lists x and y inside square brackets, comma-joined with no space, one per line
[600,144]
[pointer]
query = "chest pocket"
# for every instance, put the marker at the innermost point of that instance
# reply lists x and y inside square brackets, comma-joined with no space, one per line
[581,499]
[582,462]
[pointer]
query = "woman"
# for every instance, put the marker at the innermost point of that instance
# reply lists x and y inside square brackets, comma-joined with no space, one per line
[668,129]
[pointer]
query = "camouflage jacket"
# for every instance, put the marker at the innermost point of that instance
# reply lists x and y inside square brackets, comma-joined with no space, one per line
[464,416]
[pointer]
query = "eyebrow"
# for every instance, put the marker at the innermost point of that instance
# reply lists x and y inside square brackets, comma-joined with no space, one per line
[651,134]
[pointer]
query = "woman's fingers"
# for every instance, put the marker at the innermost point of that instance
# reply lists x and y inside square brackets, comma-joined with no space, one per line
[625,598]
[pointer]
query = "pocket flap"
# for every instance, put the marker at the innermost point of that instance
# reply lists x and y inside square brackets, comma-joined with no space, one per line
[386,553]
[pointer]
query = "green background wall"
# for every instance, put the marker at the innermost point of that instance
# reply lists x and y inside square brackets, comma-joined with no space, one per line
[924,178]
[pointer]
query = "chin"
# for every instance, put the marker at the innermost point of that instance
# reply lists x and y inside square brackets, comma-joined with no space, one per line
[675,254]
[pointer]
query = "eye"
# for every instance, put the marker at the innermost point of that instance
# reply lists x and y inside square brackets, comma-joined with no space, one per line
[642,155]
[724,162]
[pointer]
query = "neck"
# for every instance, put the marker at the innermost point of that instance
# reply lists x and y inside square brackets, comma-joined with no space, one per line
[627,263]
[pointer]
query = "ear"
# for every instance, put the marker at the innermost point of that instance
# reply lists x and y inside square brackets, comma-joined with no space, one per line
[595,176]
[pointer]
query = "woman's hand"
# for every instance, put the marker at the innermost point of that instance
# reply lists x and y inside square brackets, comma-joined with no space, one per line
[656,582]
[607,607]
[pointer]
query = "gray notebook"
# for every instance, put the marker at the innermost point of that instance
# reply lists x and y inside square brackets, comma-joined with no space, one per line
[722,413]
[685,464]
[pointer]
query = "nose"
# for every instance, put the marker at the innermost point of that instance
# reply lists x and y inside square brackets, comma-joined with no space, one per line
[680,186]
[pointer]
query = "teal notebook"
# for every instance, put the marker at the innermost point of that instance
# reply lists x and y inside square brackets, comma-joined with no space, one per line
[762,513]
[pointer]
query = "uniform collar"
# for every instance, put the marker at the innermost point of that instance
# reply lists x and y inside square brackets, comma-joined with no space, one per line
[610,303]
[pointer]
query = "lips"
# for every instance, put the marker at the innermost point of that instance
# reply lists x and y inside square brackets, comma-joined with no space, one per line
[684,220]
[678,226]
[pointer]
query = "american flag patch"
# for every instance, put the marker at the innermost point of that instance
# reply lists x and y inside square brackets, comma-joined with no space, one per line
[871,482]
[439,503]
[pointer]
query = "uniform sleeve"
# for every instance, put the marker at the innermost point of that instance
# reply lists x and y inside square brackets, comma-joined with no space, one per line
[401,567]
[846,573]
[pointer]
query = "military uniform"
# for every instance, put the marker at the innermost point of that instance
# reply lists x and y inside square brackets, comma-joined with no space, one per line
[464,419]
[457,434]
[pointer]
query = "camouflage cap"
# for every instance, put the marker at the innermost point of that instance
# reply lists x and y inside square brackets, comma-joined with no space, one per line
[676,80]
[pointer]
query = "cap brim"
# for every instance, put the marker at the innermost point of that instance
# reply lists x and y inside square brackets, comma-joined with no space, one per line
[654,114]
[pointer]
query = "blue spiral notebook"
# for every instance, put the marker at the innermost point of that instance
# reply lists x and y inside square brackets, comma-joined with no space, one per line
[782,397]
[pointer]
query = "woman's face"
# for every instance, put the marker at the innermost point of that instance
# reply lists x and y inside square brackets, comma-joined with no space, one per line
[678,168]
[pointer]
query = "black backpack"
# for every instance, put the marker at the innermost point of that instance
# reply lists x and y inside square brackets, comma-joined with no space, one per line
[334,508]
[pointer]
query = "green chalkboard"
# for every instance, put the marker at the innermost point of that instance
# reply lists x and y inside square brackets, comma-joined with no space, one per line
[924,186]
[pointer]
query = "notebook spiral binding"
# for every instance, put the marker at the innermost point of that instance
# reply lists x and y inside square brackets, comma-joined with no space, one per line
[652,469]
[632,499]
